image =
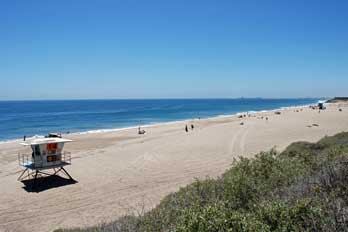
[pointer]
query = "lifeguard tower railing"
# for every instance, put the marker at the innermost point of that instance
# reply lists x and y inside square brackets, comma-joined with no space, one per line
[27,161]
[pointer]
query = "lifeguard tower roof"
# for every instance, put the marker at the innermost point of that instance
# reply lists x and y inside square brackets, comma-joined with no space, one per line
[39,141]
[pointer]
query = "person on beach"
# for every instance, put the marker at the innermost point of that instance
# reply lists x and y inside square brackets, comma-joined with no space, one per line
[141,132]
[186,128]
[192,127]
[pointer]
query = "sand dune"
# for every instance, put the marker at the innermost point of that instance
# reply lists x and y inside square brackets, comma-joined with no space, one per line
[119,172]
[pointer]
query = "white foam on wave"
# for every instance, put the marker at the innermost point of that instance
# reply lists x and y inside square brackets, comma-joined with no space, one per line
[20,140]
[10,141]
[295,107]
[222,116]
[101,131]
[97,131]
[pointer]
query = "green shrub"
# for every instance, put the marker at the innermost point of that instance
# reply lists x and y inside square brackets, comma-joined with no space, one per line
[217,218]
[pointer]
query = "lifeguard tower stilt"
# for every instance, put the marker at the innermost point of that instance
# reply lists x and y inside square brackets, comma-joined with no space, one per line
[47,158]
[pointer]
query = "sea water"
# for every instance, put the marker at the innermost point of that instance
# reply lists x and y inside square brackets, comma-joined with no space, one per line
[19,118]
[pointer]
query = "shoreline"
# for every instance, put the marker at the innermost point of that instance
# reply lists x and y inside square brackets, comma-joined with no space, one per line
[155,124]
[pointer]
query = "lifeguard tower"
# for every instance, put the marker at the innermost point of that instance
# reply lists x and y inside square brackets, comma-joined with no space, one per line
[47,158]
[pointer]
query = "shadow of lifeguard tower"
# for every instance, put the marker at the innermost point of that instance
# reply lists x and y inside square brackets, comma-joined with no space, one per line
[48,160]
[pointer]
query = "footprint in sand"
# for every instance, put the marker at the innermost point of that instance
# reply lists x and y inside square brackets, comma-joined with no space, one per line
[142,160]
[233,141]
[242,141]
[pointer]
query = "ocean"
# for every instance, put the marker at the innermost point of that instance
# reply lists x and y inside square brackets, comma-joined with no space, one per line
[30,118]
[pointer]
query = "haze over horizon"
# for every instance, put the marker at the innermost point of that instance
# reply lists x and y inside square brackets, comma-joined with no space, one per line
[177,49]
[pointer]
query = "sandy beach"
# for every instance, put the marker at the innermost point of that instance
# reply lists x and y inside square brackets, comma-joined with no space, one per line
[121,172]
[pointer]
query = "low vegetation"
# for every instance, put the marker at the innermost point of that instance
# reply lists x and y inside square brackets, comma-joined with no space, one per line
[304,188]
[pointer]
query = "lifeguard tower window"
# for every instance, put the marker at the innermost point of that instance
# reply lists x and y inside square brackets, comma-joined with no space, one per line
[51,148]
[37,150]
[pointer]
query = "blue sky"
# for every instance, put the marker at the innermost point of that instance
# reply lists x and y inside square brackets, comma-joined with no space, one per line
[173,49]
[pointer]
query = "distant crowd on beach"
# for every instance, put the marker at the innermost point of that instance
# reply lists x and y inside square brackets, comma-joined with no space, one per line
[191,127]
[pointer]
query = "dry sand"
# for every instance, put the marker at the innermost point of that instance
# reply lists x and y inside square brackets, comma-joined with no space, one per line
[119,171]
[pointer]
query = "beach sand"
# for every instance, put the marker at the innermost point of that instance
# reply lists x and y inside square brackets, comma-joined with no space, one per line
[121,172]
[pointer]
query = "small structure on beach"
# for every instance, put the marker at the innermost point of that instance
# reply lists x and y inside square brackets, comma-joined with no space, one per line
[47,158]
[321,105]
